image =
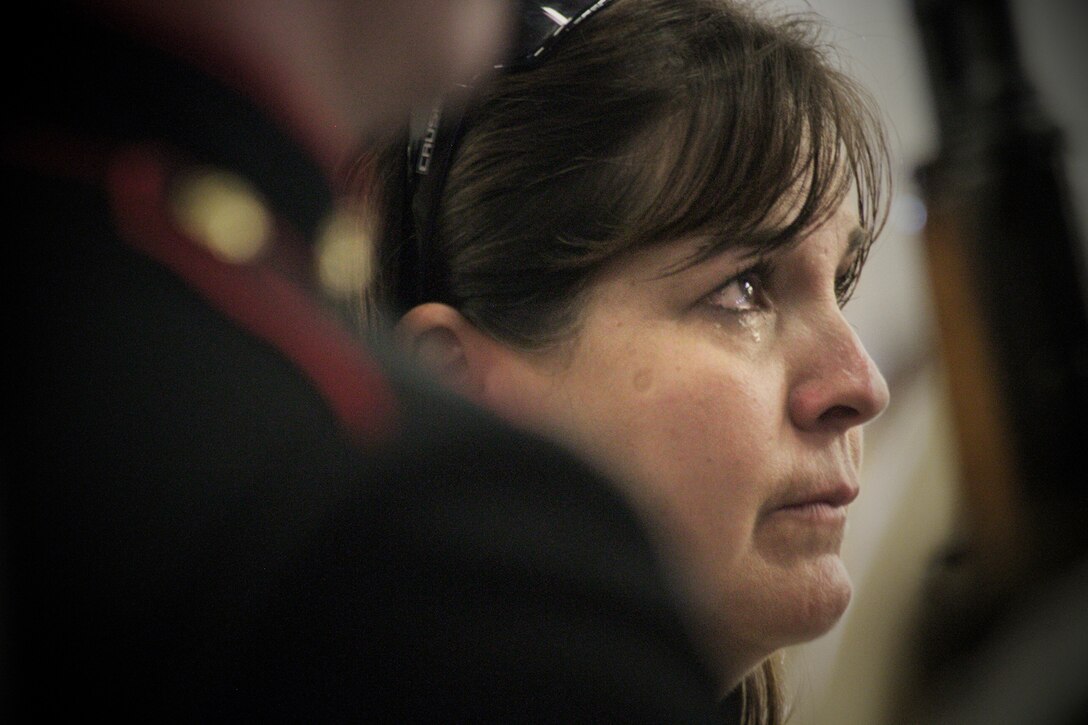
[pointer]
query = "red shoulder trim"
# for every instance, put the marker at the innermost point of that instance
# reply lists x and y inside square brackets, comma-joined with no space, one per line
[262,301]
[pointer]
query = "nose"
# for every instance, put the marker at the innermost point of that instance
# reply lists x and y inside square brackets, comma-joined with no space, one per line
[837,386]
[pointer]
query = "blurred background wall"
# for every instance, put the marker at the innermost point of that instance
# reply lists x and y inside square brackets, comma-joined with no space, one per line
[907,509]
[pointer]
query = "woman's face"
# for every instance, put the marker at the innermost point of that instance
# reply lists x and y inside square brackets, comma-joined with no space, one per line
[730,396]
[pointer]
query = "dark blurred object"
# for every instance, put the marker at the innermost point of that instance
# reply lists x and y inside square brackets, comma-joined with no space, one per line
[1008,277]
[216,505]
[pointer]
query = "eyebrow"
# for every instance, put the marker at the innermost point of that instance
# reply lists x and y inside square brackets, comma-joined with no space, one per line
[858,240]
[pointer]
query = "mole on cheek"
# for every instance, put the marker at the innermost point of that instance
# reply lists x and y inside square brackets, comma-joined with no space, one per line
[642,380]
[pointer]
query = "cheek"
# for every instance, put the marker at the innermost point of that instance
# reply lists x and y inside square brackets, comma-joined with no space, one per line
[855,443]
[697,444]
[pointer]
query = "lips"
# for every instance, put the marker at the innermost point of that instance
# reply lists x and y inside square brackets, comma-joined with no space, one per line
[840,495]
[835,496]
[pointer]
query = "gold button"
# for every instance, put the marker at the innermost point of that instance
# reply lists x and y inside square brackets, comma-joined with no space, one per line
[344,253]
[223,212]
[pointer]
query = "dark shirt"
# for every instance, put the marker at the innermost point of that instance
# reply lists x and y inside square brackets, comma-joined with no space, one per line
[218,504]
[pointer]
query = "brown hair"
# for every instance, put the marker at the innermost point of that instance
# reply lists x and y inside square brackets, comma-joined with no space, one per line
[655,120]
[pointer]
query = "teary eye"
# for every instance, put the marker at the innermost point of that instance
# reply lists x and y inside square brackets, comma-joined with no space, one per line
[745,292]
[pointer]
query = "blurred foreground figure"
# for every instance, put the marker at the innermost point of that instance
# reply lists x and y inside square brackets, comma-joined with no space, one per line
[215,502]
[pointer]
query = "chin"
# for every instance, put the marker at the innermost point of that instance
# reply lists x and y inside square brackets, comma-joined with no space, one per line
[822,603]
[803,605]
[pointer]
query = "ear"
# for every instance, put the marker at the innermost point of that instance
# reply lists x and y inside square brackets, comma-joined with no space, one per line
[441,340]
[476,365]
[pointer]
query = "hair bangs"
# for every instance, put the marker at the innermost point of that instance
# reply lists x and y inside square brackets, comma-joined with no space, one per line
[765,143]
[721,125]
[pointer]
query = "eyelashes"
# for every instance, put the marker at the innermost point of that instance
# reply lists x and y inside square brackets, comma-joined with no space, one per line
[750,290]
[847,282]
[745,292]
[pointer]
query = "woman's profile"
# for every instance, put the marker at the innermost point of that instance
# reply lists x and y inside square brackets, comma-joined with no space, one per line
[639,240]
